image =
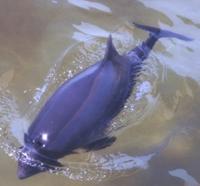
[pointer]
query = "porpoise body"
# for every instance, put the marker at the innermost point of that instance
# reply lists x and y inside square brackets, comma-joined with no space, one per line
[78,114]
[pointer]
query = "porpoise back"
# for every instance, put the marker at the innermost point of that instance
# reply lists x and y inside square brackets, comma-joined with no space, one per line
[78,114]
[79,111]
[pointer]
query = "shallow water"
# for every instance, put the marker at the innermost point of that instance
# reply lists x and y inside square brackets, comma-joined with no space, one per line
[45,42]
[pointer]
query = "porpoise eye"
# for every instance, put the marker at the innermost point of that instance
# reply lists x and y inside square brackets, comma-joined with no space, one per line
[40,141]
[37,143]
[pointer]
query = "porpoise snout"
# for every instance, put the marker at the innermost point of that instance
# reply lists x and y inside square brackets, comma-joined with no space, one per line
[27,168]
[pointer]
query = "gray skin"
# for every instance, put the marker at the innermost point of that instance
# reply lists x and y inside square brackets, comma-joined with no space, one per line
[78,114]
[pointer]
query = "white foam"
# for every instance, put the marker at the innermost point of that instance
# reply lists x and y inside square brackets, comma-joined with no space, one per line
[54,2]
[91,30]
[11,119]
[81,36]
[87,31]
[143,89]
[89,5]
[185,55]
[122,161]
[183,174]
[40,91]
[185,9]
[19,126]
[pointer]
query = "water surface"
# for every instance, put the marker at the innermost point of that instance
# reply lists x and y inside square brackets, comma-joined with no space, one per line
[43,43]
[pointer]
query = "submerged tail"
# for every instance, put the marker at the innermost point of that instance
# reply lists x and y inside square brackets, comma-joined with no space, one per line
[159,33]
[143,50]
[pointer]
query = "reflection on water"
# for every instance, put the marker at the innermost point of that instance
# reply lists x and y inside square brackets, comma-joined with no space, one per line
[88,5]
[120,162]
[43,43]
[182,174]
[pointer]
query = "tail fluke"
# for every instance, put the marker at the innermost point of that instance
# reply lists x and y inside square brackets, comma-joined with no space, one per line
[159,33]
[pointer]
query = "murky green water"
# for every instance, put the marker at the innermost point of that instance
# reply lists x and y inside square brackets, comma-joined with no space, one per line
[44,42]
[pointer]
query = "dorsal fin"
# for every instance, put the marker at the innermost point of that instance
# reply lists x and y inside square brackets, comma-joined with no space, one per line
[110,49]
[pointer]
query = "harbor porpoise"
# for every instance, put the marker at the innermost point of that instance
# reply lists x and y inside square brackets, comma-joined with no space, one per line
[80,111]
